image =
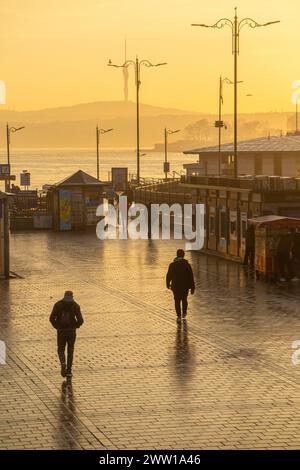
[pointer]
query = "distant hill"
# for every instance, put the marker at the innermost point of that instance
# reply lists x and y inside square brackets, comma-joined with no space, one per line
[98,110]
[74,126]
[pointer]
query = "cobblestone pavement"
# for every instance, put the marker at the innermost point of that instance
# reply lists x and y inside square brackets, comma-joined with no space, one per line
[223,380]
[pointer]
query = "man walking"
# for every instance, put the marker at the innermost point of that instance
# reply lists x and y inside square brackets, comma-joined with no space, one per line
[66,318]
[250,246]
[180,279]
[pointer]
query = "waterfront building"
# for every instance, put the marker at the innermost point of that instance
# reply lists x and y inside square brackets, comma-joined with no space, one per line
[229,204]
[272,156]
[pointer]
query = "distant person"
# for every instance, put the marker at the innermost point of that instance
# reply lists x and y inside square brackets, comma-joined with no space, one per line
[180,279]
[285,258]
[250,246]
[66,318]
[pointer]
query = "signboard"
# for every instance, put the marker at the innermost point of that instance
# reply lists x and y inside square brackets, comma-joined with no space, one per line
[4,169]
[65,210]
[166,167]
[119,178]
[11,178]
[25,179]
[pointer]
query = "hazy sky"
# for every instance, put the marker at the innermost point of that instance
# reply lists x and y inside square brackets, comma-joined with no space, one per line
[54,52]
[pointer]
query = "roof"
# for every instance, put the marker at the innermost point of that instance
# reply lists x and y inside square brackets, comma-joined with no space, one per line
[285,143]
[274,220]
[80,178]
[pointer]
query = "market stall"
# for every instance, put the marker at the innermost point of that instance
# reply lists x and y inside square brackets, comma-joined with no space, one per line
[269,230]
[74,201]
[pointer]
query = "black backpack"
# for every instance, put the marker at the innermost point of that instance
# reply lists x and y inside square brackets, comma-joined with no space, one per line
[66,319]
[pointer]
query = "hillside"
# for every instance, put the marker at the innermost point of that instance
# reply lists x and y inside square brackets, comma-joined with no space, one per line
[74,126]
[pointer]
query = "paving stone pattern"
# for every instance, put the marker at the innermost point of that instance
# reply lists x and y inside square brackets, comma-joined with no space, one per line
[223,379]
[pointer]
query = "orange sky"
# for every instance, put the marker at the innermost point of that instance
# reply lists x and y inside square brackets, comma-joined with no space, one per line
[54,53]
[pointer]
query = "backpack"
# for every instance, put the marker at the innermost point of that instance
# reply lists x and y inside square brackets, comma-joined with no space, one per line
[66,319]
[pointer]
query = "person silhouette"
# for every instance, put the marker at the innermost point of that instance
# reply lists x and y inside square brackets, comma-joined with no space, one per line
[66,317]
[180,279]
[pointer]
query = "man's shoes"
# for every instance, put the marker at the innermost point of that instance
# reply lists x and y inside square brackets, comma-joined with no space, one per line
[282,279]
[63,370]
[295,279]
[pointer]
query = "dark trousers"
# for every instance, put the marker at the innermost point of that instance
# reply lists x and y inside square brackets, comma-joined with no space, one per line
[66,338]
[285,263]
[181,302]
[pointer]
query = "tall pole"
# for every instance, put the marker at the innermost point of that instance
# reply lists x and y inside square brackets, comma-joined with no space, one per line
[97,147]
[235,27]
[6,240]
[137,73]
[220,118]
[235,52]
[7,181]
[296,117]
[137,66]
[166,153]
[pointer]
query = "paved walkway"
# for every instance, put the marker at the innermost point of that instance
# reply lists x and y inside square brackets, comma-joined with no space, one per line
[223,380]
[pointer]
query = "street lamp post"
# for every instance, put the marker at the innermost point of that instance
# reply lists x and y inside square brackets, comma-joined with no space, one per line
[137,67]
[236,27]
[166,166]
[220,124]
[10,130]
[99,131]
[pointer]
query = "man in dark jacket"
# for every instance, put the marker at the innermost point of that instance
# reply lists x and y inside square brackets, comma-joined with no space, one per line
[250,246]
[66,318]
[180,279]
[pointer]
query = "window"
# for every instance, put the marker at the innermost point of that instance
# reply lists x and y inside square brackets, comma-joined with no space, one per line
[223,231]
[233,224]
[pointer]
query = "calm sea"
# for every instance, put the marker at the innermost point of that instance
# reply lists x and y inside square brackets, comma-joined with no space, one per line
[48,166]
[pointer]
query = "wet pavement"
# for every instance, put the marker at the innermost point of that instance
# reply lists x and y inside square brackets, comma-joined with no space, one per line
[223,379]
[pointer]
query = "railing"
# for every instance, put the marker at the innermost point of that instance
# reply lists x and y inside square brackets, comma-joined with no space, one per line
[160,193]
[254,183]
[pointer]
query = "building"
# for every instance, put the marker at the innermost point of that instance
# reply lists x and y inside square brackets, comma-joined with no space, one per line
[74,200]
[4,236]
[277,156]
[230,202]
